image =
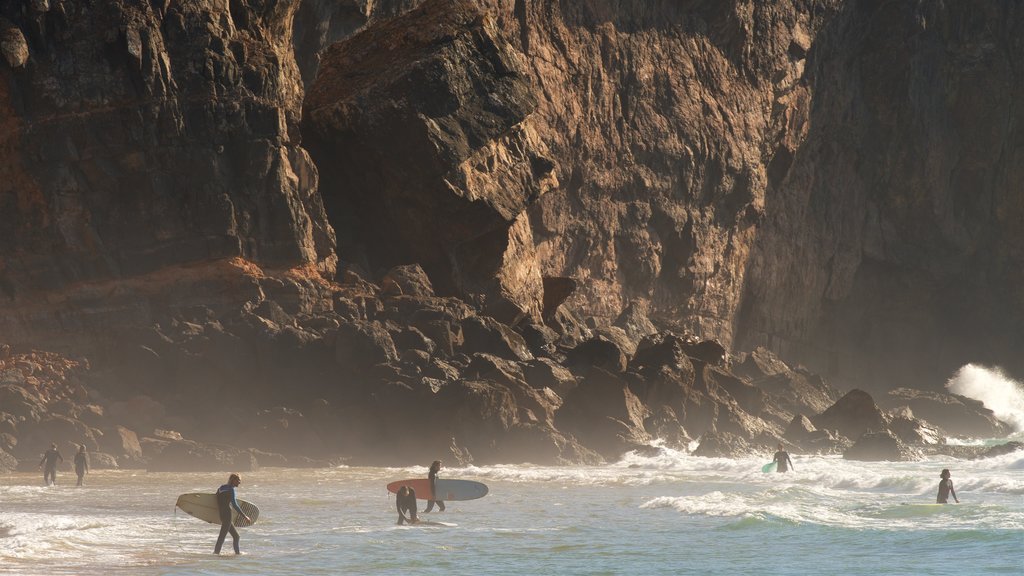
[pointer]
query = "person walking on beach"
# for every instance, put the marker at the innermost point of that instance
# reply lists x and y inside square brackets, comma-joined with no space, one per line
[945,489]
[225,502]
[405,501]
[781,459]
[81,463]
[49,464]
[432,476]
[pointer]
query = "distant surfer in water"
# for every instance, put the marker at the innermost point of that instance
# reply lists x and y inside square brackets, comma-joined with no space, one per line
[49,464]
[405,502]
[432,476]
[81,464]
[225,502]
[782,459]
[946,489]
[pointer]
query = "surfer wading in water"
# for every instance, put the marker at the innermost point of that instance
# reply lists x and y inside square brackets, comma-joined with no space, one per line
[946,489]
[225,502]
[782,459]
[405,502]
[432,476]
[81,464]
[49,465]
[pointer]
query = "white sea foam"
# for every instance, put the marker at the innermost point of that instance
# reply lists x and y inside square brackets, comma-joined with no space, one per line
[999,393]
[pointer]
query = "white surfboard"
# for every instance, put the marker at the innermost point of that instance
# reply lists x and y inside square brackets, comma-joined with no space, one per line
[204,507]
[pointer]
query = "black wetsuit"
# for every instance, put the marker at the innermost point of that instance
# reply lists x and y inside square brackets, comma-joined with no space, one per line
[81,466]
[49,464]
[782,459]
[945,489]
[225,502]
[406,505]
[432,476]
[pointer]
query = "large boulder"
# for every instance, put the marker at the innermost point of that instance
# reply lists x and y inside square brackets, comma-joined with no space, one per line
[957,415]
[408,280]
[797,391]
[852,415]
[359,345]
[20,403]
[911,430]
[604,414]
[600,352]
[634,321]
[485,334]
[546,373]
[723,445]
[121,442]
[878,446]
[661,350]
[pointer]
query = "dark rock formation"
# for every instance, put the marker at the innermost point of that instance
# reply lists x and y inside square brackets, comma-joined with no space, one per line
[957,415]
[604,414]
[426,162]
[878,446]
[853,415]
[691,178]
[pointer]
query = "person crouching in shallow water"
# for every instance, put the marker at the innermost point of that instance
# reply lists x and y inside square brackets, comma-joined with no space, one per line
[405,502]
[781,459]
[81,464]
[225,502]
[432,476]
[946,489]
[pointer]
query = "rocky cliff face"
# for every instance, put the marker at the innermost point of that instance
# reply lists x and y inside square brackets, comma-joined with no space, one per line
[890,228]
[834,180]
[145,146]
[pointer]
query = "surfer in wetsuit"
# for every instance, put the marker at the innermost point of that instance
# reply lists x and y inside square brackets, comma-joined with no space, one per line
[432,476]
[945,489]
[81,463]
[49,464]
[781,459]
[225,502]
[405,502]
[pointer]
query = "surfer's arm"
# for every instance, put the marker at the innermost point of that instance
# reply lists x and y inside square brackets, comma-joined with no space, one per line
[953,493]
[234,504]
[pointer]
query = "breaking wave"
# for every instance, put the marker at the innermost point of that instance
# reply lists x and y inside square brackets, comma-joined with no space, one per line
[999,393]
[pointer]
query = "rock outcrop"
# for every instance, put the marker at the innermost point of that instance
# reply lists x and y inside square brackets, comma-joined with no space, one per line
[420,128]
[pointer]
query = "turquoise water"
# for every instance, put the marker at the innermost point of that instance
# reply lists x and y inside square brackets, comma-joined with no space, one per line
[670,514]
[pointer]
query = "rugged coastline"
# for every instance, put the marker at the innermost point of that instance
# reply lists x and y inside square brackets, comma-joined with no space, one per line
[302,233]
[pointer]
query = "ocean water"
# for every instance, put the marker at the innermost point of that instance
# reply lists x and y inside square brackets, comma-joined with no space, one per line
[666,514]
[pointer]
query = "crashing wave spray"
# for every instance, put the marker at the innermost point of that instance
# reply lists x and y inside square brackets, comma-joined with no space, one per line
[999,393]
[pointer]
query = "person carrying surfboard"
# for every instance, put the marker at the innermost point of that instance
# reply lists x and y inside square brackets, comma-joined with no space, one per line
[435,467]
[225,502]
[945,489]
[405,502]
[781,459]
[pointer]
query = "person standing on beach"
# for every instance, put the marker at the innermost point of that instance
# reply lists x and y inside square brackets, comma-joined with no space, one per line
[49,460]
[81,463]
[225,502]
[405,502]
[945,489]
[432,476]
[781,459]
